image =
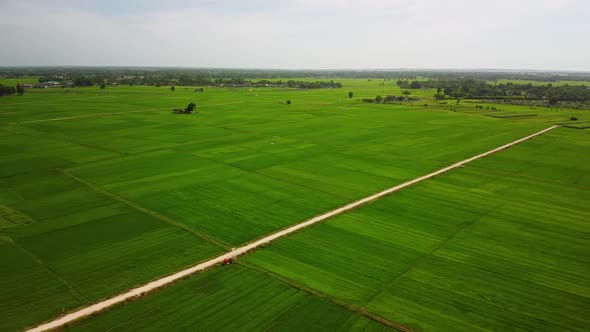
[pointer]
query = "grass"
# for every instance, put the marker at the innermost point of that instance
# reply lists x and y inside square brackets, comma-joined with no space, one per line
[145,184]
[477,249]
[493,246]
[22,80]
[228,299]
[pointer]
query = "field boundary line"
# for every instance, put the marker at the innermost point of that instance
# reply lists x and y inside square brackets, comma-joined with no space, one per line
[149,212]
[434,250]
[352,307]
[72,290]
[89,116]
[154,285]
[109,114]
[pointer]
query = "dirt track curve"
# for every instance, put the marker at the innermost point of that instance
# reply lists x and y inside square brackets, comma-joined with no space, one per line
[94,308]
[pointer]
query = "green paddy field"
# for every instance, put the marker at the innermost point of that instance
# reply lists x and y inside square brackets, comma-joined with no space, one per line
[103,190]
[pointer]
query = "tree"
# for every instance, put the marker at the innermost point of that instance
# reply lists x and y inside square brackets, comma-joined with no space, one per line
[103,86]
[172,88]
[416,85]
[80,81]
[406,93]
[7,90]
[350,94]
[190,108]
[19,89]
[378,99]
[288,102]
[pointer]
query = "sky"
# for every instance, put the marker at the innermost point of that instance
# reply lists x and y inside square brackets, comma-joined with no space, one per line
[298,34]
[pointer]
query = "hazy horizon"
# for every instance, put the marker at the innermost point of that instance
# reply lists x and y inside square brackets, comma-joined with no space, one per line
[298,35]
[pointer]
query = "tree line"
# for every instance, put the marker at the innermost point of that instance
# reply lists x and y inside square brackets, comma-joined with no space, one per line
[185,80]
[209,73]
[389,98]
[479,89]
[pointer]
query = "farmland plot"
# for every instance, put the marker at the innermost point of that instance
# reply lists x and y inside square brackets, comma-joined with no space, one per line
[471,250]
[103,202]
[231,298]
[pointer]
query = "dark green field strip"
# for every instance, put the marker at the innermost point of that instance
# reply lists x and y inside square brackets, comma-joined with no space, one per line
[74,240]
[21,303]
[229,298]
[123,251]
[153,214]
[100,256]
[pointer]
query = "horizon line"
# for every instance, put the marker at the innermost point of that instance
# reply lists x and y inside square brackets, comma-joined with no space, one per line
[401,69]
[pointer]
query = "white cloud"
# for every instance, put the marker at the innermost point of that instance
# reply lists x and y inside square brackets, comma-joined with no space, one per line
[543,34]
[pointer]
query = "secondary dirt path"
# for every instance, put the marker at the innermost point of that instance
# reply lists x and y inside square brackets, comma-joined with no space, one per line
[109,114]
[94,308]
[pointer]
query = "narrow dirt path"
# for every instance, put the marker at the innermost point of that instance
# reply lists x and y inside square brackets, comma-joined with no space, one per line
[110,114]
[154,285]
[89,116]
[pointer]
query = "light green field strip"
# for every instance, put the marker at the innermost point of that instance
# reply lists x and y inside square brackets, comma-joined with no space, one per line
[72,290]
[154,285]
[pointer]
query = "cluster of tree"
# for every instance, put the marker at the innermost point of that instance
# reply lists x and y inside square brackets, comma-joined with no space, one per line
[190,108]
[387,99]
[278,84]
[485,107]
[309,85]
[7,90]
[475,89]
[405,84]
[478,89]
[11,90]
[158,78]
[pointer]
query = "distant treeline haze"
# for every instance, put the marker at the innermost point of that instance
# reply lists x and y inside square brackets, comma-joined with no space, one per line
[478,89]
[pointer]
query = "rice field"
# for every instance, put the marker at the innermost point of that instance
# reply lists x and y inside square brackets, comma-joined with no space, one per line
[472,250]
[101,191]
[233,298]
